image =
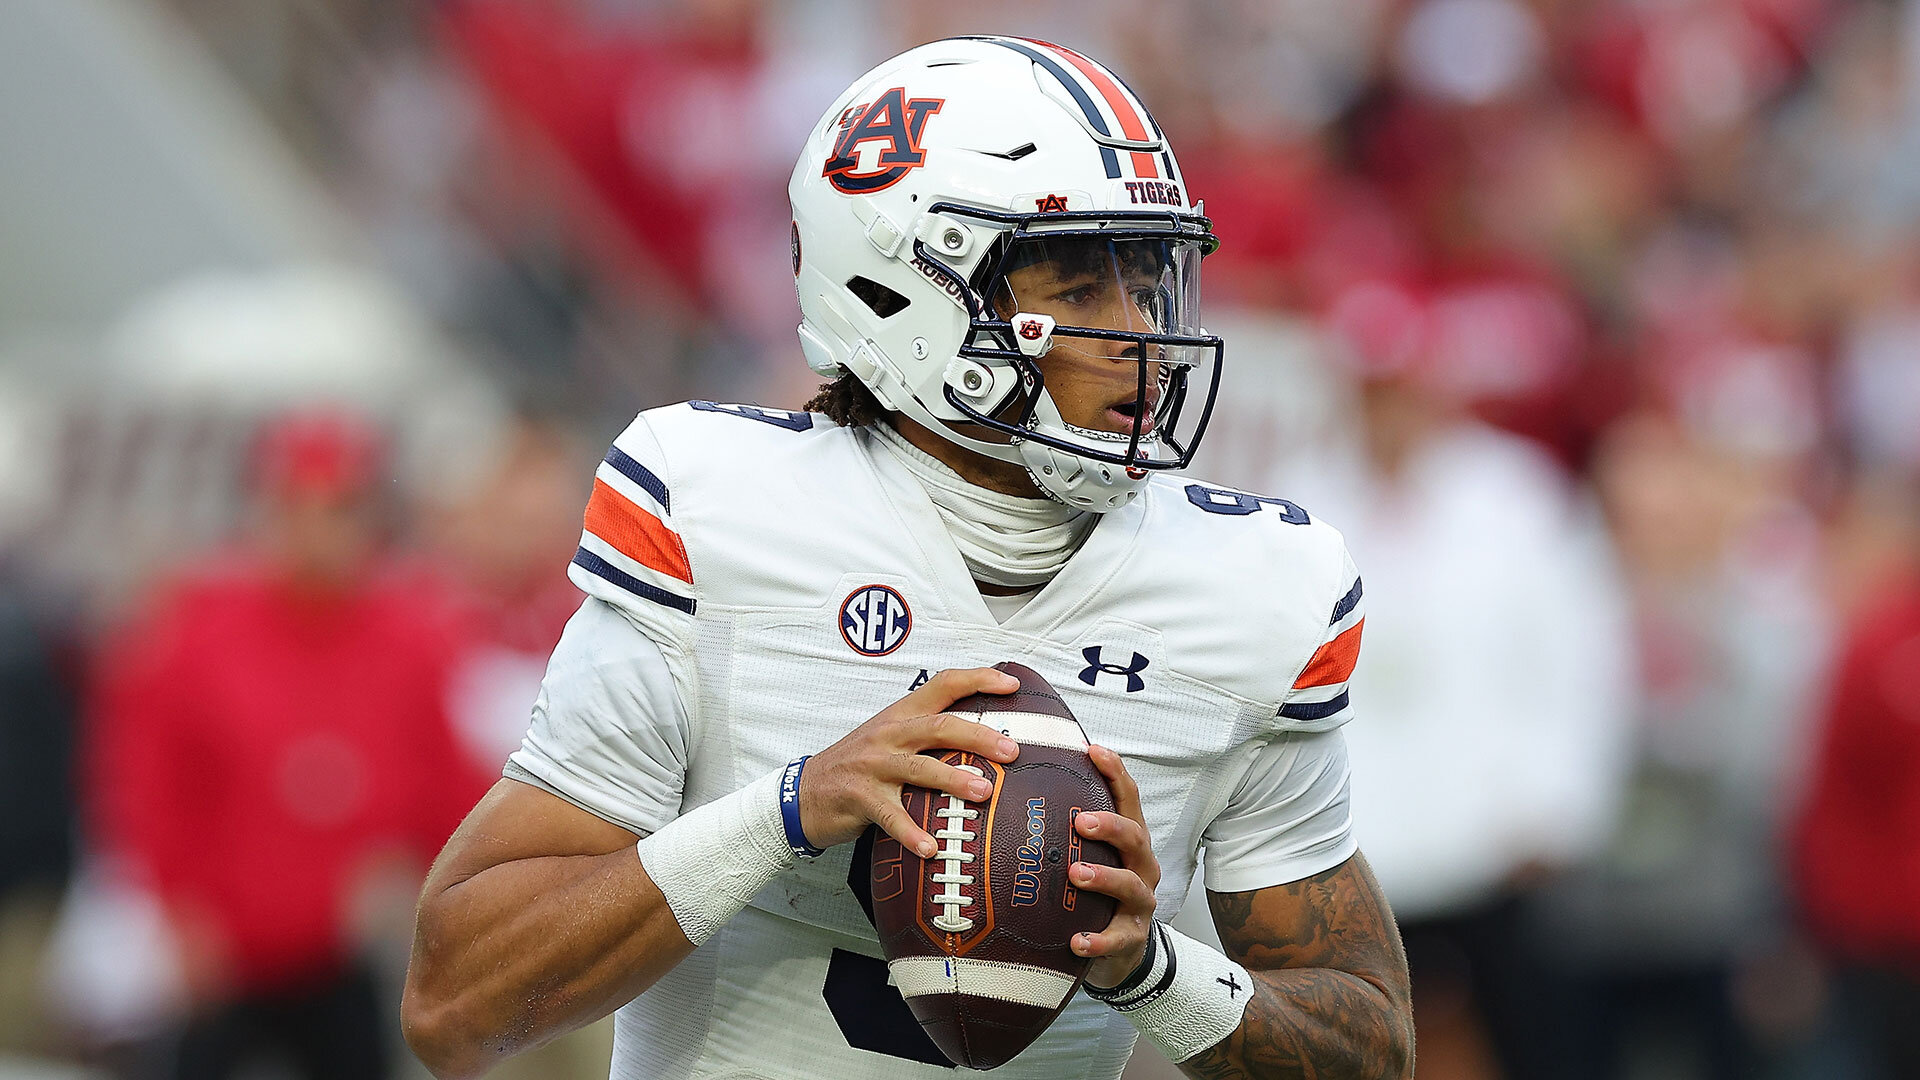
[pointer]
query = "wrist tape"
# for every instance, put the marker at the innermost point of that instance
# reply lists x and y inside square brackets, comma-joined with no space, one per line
[1184,996]
[710,861]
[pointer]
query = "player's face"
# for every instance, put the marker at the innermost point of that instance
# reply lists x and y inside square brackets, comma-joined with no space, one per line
[1095,382]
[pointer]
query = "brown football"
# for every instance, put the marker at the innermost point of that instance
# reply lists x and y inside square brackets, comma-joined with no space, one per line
[977,938]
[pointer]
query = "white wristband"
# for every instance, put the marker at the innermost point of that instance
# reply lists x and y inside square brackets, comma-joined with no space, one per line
[711,860]
[1192,998]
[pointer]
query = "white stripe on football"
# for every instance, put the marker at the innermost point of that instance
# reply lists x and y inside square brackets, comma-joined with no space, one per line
[917,976]
[1033,729]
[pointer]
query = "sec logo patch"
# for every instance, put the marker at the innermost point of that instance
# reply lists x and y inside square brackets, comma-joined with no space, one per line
[875,620]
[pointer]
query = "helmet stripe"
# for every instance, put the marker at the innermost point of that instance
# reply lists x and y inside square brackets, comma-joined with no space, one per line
[1123,110]
[1092,111]
[1134,96]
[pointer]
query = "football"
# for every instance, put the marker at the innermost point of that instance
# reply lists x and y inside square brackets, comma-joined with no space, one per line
[977,937]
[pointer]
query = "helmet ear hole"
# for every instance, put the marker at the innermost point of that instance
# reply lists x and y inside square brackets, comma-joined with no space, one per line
[883,301]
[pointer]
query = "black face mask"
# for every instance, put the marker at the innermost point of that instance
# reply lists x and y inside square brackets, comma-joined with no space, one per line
[1125,277]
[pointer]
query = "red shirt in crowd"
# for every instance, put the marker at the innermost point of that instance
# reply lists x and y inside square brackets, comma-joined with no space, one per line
[1858,839]
[256,749]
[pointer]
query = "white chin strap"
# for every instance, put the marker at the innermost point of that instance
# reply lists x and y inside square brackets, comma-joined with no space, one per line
[1064,477]
[1079,482]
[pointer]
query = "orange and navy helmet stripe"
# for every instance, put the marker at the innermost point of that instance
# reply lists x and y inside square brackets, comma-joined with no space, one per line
[1126,112]
[1091,86]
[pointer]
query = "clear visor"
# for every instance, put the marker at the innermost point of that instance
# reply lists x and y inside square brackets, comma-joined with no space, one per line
[1127,348]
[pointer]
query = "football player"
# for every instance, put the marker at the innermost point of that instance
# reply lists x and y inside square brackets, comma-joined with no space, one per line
[998,265]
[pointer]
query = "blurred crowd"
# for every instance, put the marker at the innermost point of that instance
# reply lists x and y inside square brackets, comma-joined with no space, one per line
[1594,324]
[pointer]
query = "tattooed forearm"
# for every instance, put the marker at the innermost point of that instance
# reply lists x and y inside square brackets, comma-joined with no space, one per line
[1332,997]
[1316,1023]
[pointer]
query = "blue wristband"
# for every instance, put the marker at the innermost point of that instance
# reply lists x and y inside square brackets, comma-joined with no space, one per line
[790,809]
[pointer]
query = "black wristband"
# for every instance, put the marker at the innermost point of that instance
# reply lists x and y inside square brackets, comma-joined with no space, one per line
[1133,980]
[1140,998]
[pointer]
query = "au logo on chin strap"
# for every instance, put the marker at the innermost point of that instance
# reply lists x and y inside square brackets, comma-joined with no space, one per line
[1131,670]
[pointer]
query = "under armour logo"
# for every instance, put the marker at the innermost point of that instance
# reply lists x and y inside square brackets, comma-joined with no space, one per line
[1095,669]
[1228,982]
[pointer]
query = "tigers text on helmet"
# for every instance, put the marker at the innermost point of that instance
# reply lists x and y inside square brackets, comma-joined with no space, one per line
[931,198]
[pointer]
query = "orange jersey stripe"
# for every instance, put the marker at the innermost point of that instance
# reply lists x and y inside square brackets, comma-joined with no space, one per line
[1130,125]
[635,533]
[1333,663]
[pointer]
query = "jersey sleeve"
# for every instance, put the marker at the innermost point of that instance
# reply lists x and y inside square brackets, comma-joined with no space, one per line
[1318,699]
[632,553]
[610,730]
[1289,818]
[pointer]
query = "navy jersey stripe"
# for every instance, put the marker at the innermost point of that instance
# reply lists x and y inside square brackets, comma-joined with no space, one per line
[1347,603]
[1107,156]
[594,564]
[1314,710]
[639,474]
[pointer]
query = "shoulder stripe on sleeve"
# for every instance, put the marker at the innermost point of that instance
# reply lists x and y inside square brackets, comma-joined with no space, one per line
[641,475]
[1347,603]
[1333,663]
[1314,710]
[635,533]
[594,564]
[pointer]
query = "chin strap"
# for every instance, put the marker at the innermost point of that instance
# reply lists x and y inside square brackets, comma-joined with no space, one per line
[1005,539]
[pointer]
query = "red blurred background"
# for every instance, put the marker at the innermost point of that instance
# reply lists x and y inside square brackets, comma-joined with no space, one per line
[1594,323]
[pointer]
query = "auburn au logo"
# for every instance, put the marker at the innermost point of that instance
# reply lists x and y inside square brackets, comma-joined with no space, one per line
[893,119]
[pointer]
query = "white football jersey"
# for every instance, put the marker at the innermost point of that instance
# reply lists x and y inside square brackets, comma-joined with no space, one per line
[796,579]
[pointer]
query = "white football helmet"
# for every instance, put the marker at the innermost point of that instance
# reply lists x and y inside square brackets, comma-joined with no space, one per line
[943,170]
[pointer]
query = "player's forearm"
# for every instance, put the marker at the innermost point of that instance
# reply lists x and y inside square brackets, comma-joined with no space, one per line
[1331,993]
[1313,1022]
[528,950]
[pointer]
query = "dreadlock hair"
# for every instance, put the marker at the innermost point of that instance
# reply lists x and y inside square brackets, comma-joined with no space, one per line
[847,402]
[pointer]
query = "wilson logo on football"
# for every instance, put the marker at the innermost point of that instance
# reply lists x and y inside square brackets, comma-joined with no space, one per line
[879,142]
[1026,881]
[875,620]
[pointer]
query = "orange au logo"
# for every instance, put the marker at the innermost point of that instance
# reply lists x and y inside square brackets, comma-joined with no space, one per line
[892,123]
[1052,204]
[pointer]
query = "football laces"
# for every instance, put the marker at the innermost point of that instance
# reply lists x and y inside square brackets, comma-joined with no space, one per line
[951,876]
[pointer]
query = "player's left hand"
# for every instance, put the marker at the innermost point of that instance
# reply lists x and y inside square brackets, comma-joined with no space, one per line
[1118,949]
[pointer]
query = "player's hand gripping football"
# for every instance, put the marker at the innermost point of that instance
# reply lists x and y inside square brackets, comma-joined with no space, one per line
[1118,949]
[858,779]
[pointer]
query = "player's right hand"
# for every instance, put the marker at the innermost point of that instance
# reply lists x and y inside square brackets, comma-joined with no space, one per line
[858,779]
